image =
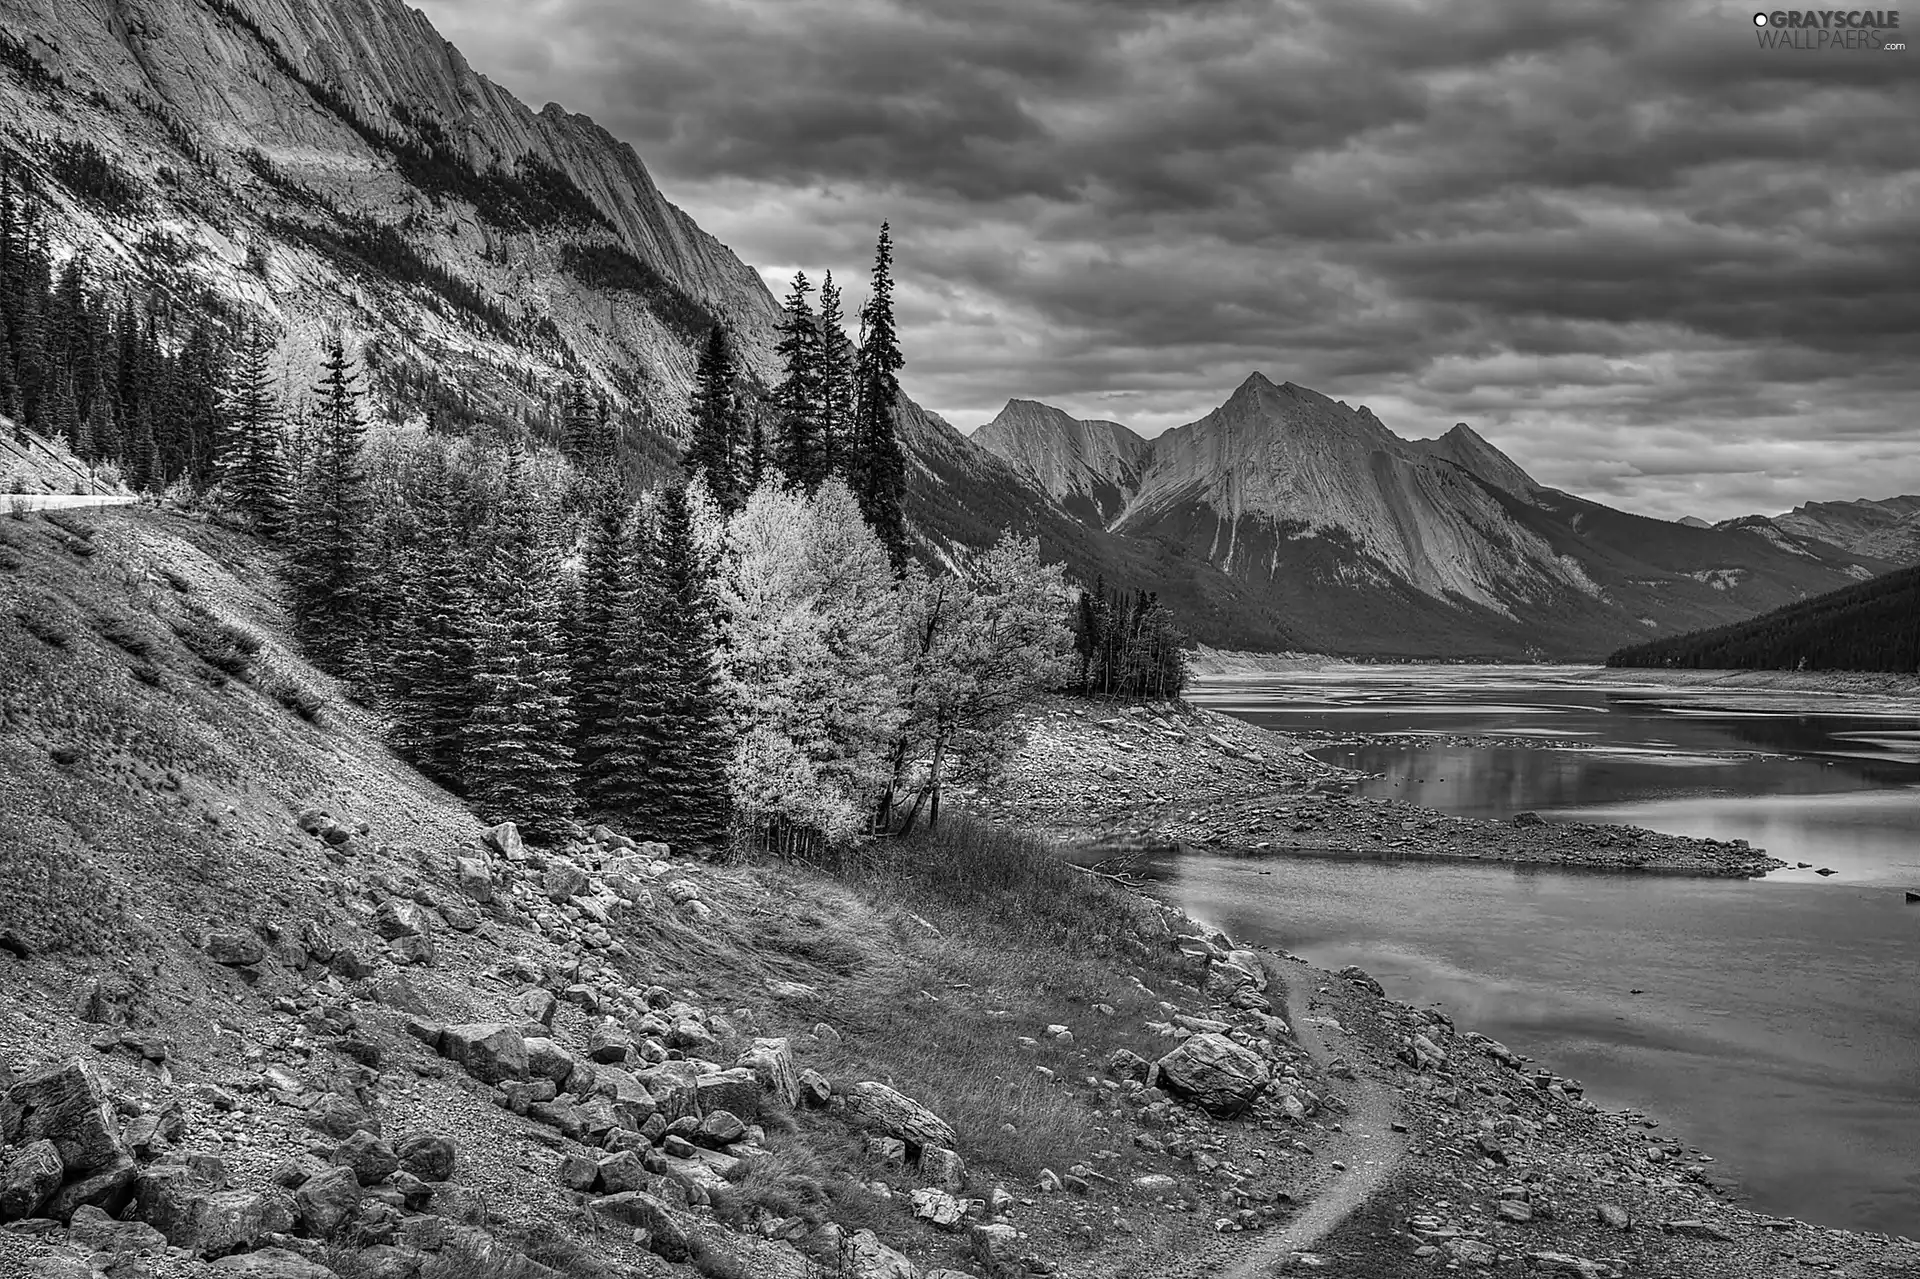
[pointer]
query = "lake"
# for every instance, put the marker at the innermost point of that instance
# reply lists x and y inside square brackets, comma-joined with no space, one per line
[1774,1023]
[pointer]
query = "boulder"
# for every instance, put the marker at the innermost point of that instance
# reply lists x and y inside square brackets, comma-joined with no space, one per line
[608,1043]
[548,1060]
[109,1189]
[270,1263]
[721,1128]
[67,1106]
[399,918]
[771,1061]
[1127,1064]
[671,1084]
[736,1090]
[863,1256]
[563,881]
[428,1156]
[632,1104]
[1214,1072]
[236,950]
[93,1228]
[207,1223]
[815,1090]
[371,1159]
[341,1116]
[637,1208]
[937,1208]
[943,1168]
[504,839]
[1225,979]
[474,878]
[621,1172]
[29,1178]
[1363,979]
[327,1201]
[901,1116]
[490,1051]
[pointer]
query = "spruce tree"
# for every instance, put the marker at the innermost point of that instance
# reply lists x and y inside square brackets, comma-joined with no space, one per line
[9,389]
[879,467]
[630,744]
[519,739]
[836,382]
[599,624]
[797,398]
[427,672]
[324,566]
[251,460]
[690,770]
[715,446]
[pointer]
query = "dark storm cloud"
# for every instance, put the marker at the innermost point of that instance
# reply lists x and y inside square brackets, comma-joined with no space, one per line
[1652,260]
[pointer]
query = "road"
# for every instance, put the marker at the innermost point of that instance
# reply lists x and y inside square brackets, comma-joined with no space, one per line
[62,501]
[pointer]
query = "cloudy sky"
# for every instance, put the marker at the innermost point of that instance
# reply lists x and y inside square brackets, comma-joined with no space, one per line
[1658,264]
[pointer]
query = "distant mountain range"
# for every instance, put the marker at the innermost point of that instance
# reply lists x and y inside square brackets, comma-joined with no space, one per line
[1356,540]
[1887,529]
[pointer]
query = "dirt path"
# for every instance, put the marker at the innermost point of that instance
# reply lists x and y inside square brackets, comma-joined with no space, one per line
[1366,1144]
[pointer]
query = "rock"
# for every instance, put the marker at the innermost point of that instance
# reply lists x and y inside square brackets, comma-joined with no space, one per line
[1127,1064]
[491,1052]
[563,882]
[428,1156]
[109,1188]
[371,1159]
[622,1172]
[995,1246]
[1471,1252]
[944,1168]
[237,950]
[937,1208]
[1529,819]
[30,1176]
[327,1201]
[1213,1072]
[386,1261]
[1224,979]
[474,878]
[270,1263]
[578,1173]
[1157,1185]
[504,839]
[734,1090]
[636,1208]
[898,1115]
[771,1061]
[1614,1216]
[93,1228]
[67,1106]
[1363,979]
[608,1043]
[1515,1211]
[1048,1182]
[721,1128]
[206,1223]
[399,918]
[890,1152]
[863,1256]
[815,1090]
[340,1116]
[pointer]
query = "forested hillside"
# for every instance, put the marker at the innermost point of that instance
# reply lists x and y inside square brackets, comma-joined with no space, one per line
[1874,626]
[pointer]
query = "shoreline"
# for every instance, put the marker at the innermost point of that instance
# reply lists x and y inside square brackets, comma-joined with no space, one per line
[1097,775]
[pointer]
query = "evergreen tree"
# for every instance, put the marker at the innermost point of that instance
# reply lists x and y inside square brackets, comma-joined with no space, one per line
[631,744]
[324,561]
[759,463]
[582,441]
[601,623]
[427,674]
[714,449]
[63,418]
[690,769]
[879,467]
[518,744]
[836,383]
[251,461]
[797,398]
[9,389]
[101,434]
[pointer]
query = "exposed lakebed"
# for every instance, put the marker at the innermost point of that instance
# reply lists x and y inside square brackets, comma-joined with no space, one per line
[1774,1023]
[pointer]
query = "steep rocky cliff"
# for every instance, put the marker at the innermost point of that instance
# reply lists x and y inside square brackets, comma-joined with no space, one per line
[1089,467]
[319,160]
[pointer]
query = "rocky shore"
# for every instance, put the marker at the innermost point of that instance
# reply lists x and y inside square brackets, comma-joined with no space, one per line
[1159,774]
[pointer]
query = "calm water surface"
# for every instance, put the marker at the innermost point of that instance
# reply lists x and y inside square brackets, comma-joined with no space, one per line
[1778,1021]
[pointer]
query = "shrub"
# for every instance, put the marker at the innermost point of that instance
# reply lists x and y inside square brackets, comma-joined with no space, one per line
[121,632]
[224,647]
[293,695]
[44,628]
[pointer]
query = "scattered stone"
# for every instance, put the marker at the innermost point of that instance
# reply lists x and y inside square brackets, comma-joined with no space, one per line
[1214,1072]
[371,1159]
[491,1052]
[937,1208]
[236,950]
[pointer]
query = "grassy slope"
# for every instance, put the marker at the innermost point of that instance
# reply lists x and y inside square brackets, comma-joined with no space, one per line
[143,809]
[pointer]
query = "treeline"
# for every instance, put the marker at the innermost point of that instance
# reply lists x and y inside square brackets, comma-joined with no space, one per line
[1873,626]
[76,364]
[1126,644]
[742,655]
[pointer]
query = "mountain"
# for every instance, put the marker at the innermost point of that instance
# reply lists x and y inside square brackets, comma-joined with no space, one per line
[1887,529]
[1088,467]
[1363,542]
[1870,626]
[335,162]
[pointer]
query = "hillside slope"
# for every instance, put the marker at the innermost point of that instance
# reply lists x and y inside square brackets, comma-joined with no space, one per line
[1874,626]
[1888,529]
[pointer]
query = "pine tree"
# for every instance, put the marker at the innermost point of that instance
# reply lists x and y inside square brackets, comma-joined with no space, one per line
[581,442]
[101,432]
[797,398]
[9,389]
[759,463]
[427,672]
[631,743]
[878,471]
[836,383]
[251,460]
[713,450]
[600,624]
[518,744]
[324,566]
[690,770]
